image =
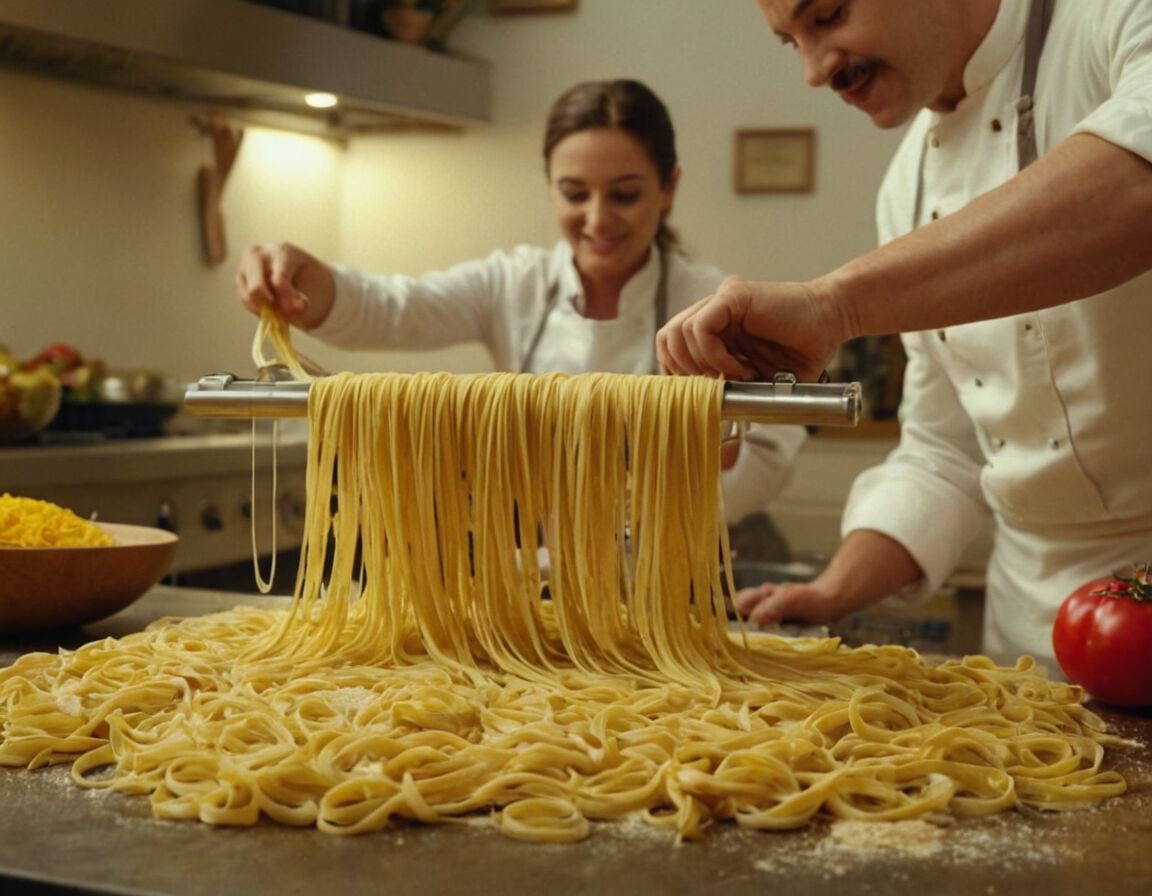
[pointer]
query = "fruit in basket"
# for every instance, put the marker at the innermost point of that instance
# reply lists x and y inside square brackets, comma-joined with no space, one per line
[59,355]
[9,363]
[81,377]
[29,399]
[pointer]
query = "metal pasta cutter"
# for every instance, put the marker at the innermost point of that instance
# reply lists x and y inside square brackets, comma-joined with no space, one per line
[783,400]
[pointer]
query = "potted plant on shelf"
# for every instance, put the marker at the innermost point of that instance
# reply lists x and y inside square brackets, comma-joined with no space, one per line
[418,22]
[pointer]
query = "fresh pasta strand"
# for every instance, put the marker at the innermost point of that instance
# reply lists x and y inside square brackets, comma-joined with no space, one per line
[272,329]
[417,675]
[264,585]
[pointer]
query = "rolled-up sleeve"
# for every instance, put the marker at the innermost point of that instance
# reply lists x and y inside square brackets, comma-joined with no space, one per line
[398,311]
[927,494]
[1120,58]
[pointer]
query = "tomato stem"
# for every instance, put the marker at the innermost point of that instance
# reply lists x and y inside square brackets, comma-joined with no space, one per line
[1136,586]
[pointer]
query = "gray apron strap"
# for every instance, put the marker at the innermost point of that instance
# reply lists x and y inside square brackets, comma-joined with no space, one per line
[1039,18]
[549,304]
[660,302]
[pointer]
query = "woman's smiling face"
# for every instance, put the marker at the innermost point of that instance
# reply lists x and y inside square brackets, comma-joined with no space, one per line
[608,200]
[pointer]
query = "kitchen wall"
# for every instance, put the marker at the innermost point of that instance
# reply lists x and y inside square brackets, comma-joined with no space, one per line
[98,231]
[99,240]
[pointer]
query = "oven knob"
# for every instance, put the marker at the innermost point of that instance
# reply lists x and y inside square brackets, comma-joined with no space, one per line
[210,518]
[291,508]
[166,516]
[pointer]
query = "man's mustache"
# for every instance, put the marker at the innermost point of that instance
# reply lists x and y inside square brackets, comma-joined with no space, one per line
[855,71]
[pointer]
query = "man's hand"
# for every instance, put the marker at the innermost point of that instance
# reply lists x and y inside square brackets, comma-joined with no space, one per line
[867,567]
[748,331]
[772,603]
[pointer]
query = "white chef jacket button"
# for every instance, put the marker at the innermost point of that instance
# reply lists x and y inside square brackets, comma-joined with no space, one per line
[935,215]
[979,382]
[998,443]
[1054,444]
[996,125]
[935,142]
[941,335]
[1027,328]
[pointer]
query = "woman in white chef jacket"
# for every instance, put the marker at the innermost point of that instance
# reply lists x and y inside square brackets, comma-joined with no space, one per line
[593,302]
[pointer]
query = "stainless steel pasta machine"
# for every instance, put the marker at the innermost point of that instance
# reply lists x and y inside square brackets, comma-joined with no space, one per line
[784,400]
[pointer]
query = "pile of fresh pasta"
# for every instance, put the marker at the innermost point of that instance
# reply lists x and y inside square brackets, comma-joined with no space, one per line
[33,523]
[511,609]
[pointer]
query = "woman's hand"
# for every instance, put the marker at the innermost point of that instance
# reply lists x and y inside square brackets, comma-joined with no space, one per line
[298,285]
[749,331]
[729,452]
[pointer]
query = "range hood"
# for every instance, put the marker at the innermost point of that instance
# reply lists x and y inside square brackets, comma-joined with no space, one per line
[238,55]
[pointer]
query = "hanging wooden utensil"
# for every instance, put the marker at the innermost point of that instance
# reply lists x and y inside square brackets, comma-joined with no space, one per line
[210,179]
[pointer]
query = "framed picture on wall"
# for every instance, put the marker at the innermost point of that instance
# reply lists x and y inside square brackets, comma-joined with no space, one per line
[515,6]
[775,161]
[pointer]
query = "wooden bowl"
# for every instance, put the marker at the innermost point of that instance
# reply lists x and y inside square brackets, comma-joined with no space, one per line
[44,588]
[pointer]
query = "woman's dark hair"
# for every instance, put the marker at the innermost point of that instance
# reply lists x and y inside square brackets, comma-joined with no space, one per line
[630,106]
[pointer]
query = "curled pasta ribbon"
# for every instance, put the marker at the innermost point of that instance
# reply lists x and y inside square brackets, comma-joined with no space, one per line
[543,820]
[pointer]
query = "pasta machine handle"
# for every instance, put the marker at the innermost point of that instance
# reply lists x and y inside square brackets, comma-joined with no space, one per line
[225,395]
[786,401]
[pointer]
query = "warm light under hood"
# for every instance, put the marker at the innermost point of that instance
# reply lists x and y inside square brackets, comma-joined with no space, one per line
[239,55]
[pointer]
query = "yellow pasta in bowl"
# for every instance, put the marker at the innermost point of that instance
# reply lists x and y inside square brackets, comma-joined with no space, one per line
[58,569]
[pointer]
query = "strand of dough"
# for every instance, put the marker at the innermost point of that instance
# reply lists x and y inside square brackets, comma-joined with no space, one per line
[417,676]
[273,330]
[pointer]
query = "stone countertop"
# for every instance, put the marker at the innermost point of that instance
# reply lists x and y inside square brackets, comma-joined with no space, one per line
[56,838]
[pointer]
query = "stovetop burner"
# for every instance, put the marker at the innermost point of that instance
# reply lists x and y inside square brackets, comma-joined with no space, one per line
[109,420]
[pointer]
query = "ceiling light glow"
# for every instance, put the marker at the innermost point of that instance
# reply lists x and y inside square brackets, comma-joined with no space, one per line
[321,100]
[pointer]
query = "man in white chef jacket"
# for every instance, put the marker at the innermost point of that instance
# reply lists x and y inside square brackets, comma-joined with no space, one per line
[1019,275]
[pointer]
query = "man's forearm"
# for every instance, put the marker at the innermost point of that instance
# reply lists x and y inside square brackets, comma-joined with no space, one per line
[867,567]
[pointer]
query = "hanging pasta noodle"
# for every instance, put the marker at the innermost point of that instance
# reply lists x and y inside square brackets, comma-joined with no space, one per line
[274,330]
[418,676]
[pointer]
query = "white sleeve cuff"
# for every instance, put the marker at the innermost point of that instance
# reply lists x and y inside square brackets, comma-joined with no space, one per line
[933,521]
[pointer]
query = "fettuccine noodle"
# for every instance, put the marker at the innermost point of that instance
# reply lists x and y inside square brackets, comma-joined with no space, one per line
[418,676]
[273,330]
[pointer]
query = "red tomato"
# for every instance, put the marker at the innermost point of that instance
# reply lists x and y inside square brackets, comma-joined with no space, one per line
[1103,638]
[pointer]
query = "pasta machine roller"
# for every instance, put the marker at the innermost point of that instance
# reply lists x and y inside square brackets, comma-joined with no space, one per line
[784,400]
